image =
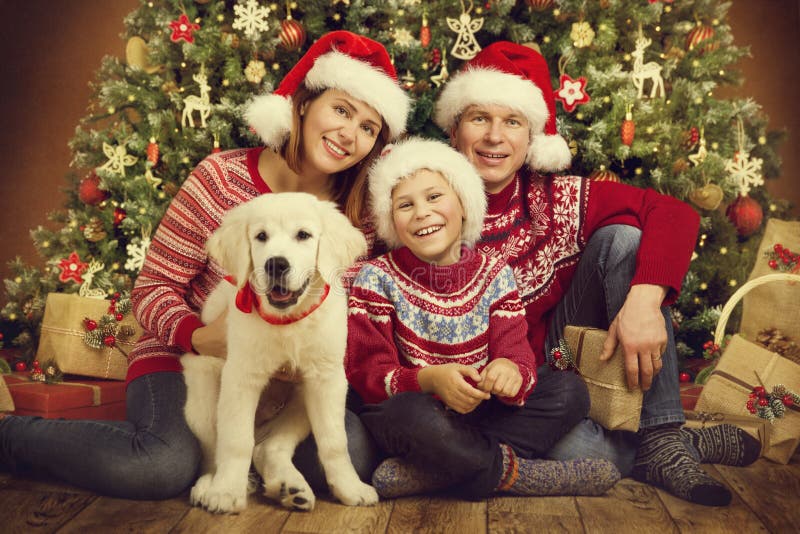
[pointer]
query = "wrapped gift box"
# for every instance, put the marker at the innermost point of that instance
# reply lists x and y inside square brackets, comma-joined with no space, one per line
[689,394]
[71,399]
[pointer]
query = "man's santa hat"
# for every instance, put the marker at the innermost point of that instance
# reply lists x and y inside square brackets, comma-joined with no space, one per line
[407,157]
[340,60]
[517,77]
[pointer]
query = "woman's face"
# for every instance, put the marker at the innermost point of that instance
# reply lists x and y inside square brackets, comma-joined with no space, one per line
[495,139]
[338,132]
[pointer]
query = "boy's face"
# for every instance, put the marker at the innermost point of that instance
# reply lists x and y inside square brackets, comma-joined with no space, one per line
[495,140]
[428,216]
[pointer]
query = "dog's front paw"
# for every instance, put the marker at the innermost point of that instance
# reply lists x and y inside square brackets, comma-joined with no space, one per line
[199,489]
[355,494]
[294,495]
[220,499]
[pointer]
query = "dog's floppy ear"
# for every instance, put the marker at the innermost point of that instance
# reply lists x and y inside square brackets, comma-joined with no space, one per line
[340,244]
[230,246]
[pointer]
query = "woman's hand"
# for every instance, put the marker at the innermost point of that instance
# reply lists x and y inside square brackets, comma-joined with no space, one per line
[639,328]
[212,339]
[448,382]
[501,377]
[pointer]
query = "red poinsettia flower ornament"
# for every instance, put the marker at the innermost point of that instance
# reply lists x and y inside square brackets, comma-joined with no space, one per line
[182,29]
[72,268]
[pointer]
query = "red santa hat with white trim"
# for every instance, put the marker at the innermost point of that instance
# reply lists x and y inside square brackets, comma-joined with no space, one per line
[340,60]
[515,76]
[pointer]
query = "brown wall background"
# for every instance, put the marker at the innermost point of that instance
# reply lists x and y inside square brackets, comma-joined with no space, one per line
[52,48]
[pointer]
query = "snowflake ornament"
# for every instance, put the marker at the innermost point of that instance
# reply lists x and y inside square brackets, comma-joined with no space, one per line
[251,18]
[136,254]
[255,71]
[582,34]
[744,172]
[118,159]
[572,92]
[72,268]
[182,29]
[404,38]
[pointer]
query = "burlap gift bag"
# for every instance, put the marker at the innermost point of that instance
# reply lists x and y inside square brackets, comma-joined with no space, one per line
[744,365]
[613,405]
[760,303]
[6,402]
[61,340]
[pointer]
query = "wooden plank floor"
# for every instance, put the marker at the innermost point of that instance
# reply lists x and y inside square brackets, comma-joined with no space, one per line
[766,499]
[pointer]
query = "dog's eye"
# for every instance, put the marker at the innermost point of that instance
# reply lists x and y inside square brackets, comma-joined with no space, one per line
[262,236]
[302,235]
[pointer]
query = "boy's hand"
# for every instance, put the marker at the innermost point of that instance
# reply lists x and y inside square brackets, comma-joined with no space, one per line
[448,382]
[501,377]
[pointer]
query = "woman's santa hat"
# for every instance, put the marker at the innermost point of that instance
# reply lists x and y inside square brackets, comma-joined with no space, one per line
[340,60]
[407,157]
[517,77]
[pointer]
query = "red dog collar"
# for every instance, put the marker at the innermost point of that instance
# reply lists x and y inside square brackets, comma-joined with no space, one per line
[245,298]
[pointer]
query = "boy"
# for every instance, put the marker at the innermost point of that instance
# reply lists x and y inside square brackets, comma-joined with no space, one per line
[437,345]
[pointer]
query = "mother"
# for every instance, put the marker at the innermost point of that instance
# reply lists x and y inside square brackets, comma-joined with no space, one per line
[330,116]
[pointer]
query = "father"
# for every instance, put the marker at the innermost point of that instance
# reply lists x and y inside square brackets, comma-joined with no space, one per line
[593,253]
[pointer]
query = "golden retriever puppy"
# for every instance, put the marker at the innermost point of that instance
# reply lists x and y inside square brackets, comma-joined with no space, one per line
[286,253]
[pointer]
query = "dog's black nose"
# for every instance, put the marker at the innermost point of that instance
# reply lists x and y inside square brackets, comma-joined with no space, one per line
[276,266]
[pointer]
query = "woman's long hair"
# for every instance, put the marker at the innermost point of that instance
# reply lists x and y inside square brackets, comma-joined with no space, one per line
[350,185]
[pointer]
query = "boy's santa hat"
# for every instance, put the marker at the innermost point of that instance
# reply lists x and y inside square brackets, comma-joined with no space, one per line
[340,60]
[410,155]
[515,76]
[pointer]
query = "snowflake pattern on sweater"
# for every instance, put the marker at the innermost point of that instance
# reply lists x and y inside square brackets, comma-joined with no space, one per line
[405,314]
[540,225]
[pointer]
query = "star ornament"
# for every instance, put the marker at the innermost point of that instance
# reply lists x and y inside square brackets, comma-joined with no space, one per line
[72,268]
[572,92]
[182,29]
[745,172]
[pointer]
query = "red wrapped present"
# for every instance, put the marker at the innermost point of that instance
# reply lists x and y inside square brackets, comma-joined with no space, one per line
[689,395]
[70,399]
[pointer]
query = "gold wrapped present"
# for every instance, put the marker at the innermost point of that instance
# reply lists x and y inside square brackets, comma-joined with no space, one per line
[64,328]
[613,405]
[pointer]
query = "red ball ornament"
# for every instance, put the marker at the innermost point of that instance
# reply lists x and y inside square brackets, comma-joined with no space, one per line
[119,216]
[746,215]
[701,33]
[557,355]
[118,316]
[760,391]
[109,341]
[684,377]
[20,367]
[91,325]
[788,400]
[89,190]
[539,5]
[772,264]
[604,176]
[763,401]
[292,34]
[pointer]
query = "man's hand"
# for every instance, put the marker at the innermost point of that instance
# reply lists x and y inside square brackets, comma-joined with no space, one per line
[501,377]
[448,382]
[639,328]
[212,339]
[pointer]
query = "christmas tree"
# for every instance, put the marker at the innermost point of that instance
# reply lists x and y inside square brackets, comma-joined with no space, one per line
[635,79]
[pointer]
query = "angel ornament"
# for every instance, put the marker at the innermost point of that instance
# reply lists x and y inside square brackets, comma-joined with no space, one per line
[466,46]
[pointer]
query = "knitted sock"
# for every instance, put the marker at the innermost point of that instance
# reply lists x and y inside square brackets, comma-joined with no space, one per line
[587,476]
[724,444]
[397,477]
[663,459]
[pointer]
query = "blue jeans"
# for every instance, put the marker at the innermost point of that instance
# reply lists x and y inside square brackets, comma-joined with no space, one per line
[597,292]
[466,447]
[152,455]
